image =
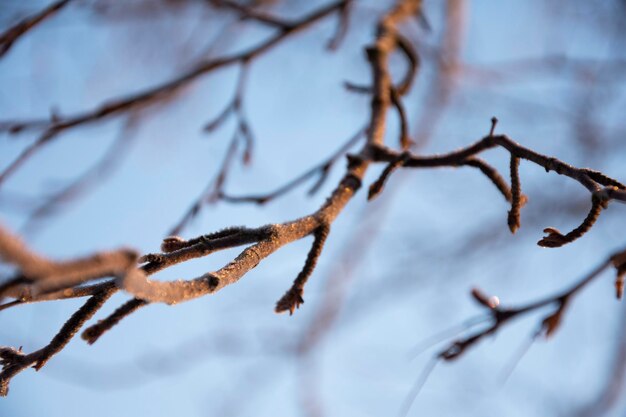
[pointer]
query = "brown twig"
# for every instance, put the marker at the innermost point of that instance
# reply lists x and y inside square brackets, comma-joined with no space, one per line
[377,186]
[38,275]
[11,35]
[516,196]
[501,316]
[261,242]
[555,239]
[293,297]
[491,173]
[405,140]
[321,170]
[212,191]
[248,13]
[342,26]
[52,128]
[13,361]
[93,333]
[86,182]
[275,236]
[601,196]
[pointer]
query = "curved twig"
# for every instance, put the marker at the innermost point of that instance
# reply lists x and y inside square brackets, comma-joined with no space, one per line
[52,128]
[11,35]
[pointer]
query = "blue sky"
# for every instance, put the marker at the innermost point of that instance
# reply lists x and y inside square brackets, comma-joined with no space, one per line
[436,233]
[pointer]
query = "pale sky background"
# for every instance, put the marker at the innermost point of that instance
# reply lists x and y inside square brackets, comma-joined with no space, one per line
[224,354]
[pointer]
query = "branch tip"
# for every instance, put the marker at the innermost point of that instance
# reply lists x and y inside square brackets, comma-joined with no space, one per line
[292,299]
[172,243]
[378,185]
[494,122]
[555,239]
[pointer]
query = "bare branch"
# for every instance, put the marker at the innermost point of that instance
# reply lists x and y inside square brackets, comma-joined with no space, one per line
[342,26]
[516,196]
[54,127]
[600,196]
[40,279]
[491,173]
[11,35]
[13,362]
[248,13]
[320,169]
[293,297]
[93,333]
[40,276]
[500,316]
[87,181]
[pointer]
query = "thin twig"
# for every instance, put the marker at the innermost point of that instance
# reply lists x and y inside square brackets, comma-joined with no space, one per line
[601,196]
[11,35]
[293,297]
[52,128]
[86,182]
[321,169]
[500,316]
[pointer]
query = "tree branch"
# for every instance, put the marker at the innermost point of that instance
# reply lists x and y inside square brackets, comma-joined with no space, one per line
[603,189]
[52,128]
[11,35]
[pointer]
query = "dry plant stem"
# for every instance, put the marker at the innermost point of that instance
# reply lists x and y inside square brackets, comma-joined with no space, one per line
[248,13]
[516,196]
[13,361]
[263,241]
[176,250]
[491,173]
[212,191]
[602,188]
[235,105]
[11,35]
[93,333]
[154,94]
[39,276]
[405,141]
[75,292]
[116,106]
[344,271]
[501,316]
[555,239]
[447,57]
[14,251]
[376,188]
[342,26]
[414,63]
[293,297]
[87,181]
[407,82]
[320,169]
[60,277]
[29,151]
[281,234]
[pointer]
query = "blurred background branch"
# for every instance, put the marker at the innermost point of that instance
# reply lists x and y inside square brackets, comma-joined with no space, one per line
[127,170]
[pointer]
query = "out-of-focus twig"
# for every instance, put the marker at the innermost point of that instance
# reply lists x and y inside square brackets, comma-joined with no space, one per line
[87,182]
[57,124]
[11,35]
[260,242]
